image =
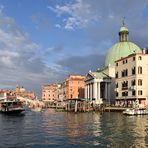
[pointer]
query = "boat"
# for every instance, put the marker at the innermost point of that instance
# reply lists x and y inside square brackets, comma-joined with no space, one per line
[9,104]
[11,107]
[135,111]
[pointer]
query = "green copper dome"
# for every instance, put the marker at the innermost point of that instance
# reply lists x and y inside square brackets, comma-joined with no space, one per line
[121,49]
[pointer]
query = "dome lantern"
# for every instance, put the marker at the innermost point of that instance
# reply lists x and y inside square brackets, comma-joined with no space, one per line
[123,33]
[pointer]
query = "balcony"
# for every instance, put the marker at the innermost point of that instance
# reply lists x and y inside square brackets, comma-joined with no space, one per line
[124,88]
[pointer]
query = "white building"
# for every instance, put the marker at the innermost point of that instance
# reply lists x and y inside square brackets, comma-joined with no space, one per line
[99,84]
[132,80]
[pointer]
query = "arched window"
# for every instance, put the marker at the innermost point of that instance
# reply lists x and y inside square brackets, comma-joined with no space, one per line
[139,70]
[140,82]
[139,58]
[139,92]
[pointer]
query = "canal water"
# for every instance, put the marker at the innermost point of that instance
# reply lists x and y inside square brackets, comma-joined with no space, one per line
[61,129]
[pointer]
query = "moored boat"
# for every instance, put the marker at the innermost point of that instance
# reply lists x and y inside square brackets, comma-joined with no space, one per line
[135,111]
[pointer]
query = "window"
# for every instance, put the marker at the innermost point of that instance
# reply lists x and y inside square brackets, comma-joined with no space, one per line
[133,58]
[122,73]
[133,82]
[125,93]
[133,93]
[126,72]
[117,94]
[139,58]
[116,85]
[140,82]
[124,84]
[139,70]
[116,64]
[126,61]
[123,62]
[116,74]
[133,71]
[139,92]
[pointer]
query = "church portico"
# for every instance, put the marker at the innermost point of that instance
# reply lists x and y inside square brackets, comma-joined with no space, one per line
[97,88]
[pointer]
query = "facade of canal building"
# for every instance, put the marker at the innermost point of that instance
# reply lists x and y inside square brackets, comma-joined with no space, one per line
[72,87]
[50,92]
[132,80]
[100,85]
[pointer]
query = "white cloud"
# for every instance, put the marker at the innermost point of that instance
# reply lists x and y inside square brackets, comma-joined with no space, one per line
[79,14]
[20,58]
[58,26]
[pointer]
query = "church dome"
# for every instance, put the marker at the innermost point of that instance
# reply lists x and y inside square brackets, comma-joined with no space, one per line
[121,49]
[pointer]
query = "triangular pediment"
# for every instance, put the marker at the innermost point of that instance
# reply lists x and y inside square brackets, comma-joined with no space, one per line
[89,77]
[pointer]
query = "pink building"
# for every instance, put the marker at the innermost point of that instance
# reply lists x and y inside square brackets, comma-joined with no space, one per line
[50,92]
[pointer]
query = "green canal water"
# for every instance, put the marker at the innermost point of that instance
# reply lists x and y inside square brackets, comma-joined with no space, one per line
[61,129]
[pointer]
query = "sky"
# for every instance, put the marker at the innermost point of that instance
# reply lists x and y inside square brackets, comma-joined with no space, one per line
[43,41]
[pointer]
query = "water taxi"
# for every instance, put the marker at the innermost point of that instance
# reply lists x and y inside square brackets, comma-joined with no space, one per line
[11,107]
[9,104]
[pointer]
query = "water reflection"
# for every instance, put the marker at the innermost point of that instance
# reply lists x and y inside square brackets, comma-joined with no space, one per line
[140,132]
[62,129]
[124,131]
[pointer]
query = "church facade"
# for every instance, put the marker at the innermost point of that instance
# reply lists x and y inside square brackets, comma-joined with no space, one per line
[100,85]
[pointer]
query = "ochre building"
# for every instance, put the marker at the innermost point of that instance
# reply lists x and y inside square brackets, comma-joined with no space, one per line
[74,86]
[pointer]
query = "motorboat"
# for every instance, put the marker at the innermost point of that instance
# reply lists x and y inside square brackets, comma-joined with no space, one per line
[135,111]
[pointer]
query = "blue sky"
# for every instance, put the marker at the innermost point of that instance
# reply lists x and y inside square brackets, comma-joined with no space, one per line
[42,41]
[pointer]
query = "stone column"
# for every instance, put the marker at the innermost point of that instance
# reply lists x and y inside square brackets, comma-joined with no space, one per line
[106,93]
[85,95]
[90,92]
[95,90]
[76,106]
[109,92]
[88,89]
[98,97]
